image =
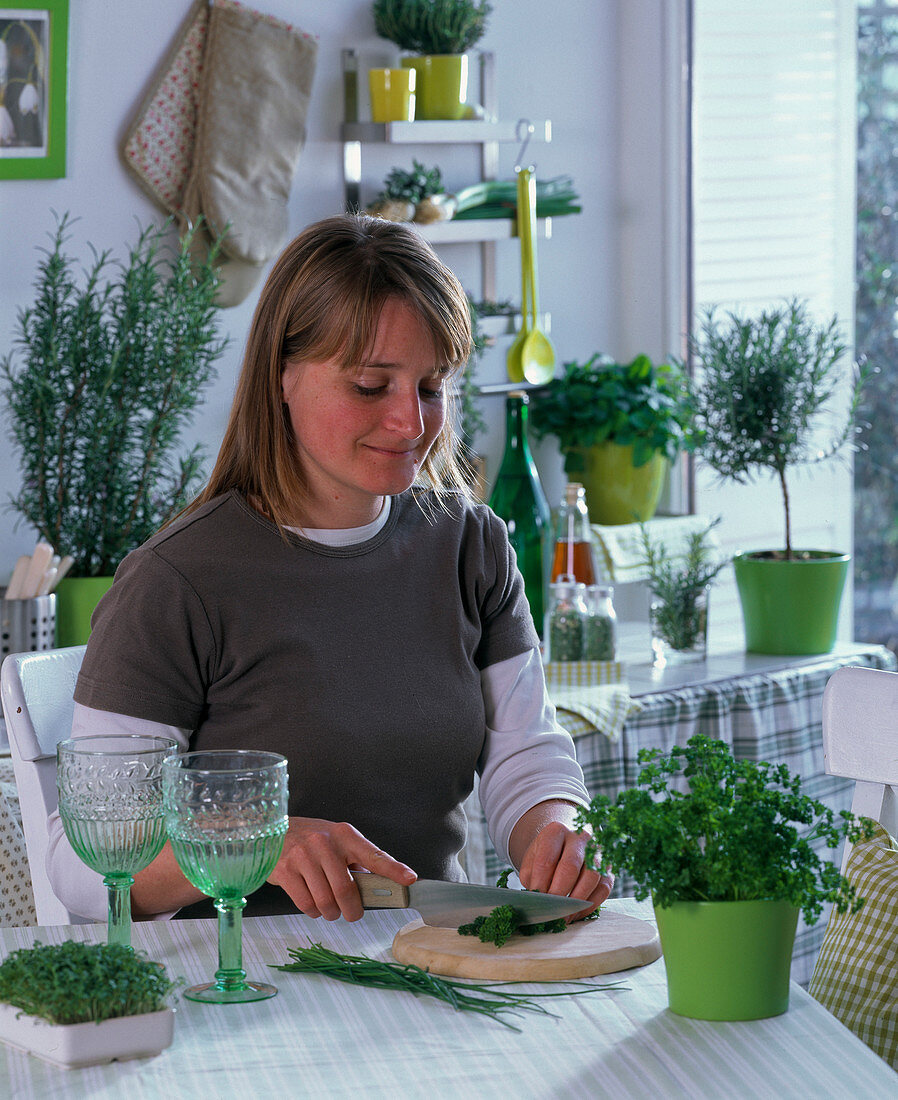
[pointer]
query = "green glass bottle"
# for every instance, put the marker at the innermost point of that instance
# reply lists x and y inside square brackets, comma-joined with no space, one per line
[518,498]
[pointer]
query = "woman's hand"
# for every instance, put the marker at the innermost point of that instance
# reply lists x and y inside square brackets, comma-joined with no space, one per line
[550,855]
[315,863]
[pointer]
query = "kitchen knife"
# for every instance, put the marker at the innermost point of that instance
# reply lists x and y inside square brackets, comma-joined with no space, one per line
[450,904]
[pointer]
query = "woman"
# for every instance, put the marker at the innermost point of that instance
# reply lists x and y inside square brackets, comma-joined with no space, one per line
[334,595]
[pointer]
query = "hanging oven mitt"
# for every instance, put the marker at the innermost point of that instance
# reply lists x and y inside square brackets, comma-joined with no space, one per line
[256,83]
[158,145]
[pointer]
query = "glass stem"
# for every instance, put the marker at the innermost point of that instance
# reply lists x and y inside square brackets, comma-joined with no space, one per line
[230,974]
[119,918]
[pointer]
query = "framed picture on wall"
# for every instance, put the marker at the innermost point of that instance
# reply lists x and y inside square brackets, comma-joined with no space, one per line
[33,79]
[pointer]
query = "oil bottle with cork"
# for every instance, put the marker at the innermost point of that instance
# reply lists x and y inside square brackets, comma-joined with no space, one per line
[573,554]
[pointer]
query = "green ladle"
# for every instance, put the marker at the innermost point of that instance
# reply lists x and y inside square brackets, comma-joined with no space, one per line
[537,355]
[513,360]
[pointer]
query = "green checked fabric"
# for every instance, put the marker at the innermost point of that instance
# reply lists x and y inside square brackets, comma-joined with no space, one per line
[856,976]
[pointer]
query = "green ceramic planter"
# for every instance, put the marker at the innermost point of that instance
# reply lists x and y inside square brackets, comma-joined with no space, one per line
[441,85]
[616,490]
[728,960]
[791,607]
[76,598]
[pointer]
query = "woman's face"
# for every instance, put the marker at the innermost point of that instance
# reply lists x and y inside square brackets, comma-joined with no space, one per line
[363,432]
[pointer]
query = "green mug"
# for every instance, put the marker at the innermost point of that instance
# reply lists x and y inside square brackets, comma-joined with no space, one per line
[392,94]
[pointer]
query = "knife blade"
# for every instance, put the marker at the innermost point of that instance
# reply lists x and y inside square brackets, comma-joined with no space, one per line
[450,904]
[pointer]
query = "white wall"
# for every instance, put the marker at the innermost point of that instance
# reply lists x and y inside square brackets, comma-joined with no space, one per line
[558,64]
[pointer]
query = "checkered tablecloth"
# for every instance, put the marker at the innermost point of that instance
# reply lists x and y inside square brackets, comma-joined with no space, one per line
[774,716]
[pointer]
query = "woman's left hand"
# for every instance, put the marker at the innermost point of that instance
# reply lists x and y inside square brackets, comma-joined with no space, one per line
[554,853]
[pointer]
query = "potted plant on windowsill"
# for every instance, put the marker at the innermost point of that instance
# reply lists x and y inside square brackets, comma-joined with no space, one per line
[78,1004]
[619,426]
[106,373]
[438,33]
[726,850]
[763,387]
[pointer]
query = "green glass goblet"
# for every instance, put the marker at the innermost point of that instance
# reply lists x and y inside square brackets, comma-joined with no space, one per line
[226,816]
[110,803]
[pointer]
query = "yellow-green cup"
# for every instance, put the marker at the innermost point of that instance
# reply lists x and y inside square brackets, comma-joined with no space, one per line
[392,94]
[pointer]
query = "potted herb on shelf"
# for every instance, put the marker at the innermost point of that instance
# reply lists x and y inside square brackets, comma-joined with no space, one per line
[679,585]
[619,426]
[79,1004]
[786,370]
[106,374]
[415,196]
[725,848]
[438,33]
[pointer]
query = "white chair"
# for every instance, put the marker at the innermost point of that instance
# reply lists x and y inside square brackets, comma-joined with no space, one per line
[860,740]
[37,692]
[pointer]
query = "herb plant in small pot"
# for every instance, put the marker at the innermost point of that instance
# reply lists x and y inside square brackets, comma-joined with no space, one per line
[619,426]
[106,373]
[680,586]
[438,33]
[79,1004]
[764,387]
[726,848]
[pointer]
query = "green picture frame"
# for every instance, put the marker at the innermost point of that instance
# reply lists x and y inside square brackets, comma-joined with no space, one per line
[34,38]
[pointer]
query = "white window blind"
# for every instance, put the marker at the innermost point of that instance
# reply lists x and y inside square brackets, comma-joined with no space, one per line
[773,154]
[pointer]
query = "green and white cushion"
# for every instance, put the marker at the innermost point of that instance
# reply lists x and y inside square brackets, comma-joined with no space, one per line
[856,976]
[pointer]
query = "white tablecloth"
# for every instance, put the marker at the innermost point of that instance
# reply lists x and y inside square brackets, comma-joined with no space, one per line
[320,1038]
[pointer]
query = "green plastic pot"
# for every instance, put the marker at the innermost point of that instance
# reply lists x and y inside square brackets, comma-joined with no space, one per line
[727,960]
[791,607]
[76,598]
[616,490]
[441,85]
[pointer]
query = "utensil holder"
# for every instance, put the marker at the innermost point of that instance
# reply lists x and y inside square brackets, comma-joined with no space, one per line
[27,626]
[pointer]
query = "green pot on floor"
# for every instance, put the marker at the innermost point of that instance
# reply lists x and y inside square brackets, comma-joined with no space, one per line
[727,960]
[76,598]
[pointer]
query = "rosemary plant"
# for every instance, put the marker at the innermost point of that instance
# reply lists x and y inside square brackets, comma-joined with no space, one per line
[106,375]
[677,585]
[431,26]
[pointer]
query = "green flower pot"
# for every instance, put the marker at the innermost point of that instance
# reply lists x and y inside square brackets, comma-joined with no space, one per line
[727,960]
[76,598]
[791,607]
[616,490]
[441,85]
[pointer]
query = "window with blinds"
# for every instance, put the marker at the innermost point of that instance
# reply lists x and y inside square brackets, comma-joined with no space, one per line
[773,154]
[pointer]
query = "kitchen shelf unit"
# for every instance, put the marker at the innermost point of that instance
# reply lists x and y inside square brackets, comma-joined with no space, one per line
[488,133]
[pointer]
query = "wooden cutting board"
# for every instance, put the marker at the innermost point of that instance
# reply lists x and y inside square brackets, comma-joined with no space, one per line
[610,943]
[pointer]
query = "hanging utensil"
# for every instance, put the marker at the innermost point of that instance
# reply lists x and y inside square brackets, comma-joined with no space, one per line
[537,352]
[513,360]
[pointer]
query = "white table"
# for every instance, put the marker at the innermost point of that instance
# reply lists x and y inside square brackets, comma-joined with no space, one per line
[321,1038]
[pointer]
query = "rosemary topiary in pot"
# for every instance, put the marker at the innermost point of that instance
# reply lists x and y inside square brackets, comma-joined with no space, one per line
[765,387]
[106,373]
[432,26]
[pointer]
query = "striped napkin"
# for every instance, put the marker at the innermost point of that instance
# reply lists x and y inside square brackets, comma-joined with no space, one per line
[595,691]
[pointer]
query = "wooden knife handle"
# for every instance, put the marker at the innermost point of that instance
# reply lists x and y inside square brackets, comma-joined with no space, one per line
[379,892]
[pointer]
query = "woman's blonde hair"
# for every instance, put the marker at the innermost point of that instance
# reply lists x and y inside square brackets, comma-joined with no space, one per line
[321,301]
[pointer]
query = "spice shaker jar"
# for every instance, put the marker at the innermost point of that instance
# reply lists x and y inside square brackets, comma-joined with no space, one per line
[600,629]
[566,620]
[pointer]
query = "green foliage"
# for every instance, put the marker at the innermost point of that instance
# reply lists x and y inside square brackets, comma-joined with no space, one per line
[412,186]
[431,26]
[466,996]
[678,583]
[876,335]
[71,982]
[106,376]
[764,382]
[499,925]
[730,836]
[647,406]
